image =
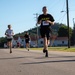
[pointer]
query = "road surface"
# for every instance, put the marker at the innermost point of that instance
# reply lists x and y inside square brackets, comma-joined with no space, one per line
[23,62]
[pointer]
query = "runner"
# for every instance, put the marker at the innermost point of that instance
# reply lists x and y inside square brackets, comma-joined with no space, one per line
[27,39]
[9,34]
[46,20]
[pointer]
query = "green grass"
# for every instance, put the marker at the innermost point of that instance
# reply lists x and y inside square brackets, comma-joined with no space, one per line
[65,49]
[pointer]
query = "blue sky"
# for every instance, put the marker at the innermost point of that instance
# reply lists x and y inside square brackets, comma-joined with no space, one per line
[20,13]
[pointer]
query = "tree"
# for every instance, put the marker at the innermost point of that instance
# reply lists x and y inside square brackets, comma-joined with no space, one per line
[63,31]
[73,36]
[2,41]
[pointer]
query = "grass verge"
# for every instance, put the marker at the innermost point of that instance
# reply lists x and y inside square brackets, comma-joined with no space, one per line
[65,49]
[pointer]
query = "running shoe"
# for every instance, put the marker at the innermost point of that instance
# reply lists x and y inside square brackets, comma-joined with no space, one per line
[10,51]
[44,50]
[46,53]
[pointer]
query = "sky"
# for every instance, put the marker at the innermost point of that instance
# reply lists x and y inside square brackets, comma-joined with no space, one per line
[21,13]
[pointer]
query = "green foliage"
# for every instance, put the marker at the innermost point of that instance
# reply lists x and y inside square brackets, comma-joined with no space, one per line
[73,37]
[63,31]
[2,41]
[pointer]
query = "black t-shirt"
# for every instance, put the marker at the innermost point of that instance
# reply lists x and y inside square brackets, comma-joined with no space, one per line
[26,37]
[43,19]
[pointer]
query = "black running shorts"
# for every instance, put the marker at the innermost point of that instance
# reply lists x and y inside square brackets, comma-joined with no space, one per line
[27,40]
[9,39]
[45,32]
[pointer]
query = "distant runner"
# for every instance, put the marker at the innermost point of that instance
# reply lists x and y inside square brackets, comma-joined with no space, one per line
[27,39]
[9,34]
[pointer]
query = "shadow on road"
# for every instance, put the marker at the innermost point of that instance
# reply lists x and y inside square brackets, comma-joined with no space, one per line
[56,56]
[56,61]
[15,58]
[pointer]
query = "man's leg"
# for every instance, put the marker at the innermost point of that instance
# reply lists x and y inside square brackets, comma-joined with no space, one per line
[28,46]
[43,35]
[45,43]
[48,42]
[10,47]
[8,44]
[45,47]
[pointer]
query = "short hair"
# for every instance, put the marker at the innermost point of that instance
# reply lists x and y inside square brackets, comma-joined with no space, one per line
[44,7]
[9,25]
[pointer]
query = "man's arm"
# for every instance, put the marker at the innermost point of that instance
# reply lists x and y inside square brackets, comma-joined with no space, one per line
[6,33]
[39,20]
[52,23]
[12,33]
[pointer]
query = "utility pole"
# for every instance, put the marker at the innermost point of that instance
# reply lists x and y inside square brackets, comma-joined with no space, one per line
[37,26]
[68,23]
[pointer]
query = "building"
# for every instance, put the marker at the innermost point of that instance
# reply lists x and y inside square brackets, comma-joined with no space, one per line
[60,41]
[55,41]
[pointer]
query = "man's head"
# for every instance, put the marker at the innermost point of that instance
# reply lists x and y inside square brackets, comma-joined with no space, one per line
[44,9]
[26,32]
[9,26]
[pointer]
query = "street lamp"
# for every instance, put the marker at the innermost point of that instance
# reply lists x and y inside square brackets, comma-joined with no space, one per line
[37,26]
[67,11]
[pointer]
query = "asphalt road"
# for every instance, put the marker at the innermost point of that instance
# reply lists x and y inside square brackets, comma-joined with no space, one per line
[23,62]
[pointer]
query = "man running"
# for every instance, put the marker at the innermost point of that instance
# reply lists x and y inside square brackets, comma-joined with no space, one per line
[9,34]
[27,39]
[46,20]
